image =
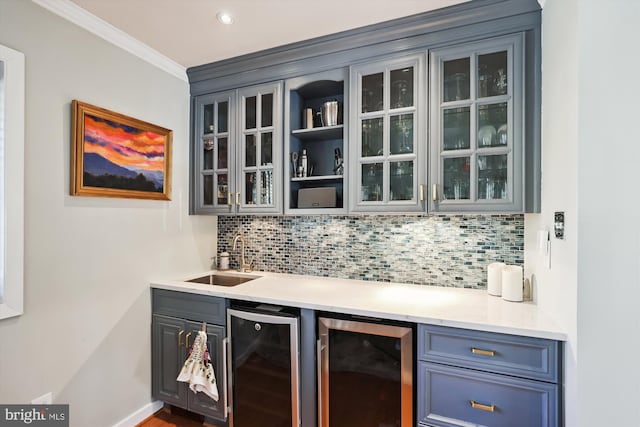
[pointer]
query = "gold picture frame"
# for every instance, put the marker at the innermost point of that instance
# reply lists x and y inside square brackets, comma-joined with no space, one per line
[113,155]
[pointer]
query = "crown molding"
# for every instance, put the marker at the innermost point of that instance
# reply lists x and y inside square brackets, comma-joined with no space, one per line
[101,28]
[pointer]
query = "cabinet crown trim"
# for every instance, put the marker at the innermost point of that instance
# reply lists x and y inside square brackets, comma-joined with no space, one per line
[296,58]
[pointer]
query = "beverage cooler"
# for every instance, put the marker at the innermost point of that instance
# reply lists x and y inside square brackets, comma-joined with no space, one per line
[264,370]
[365,374]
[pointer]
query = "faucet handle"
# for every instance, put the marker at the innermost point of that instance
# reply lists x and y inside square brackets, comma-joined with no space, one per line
[248,266]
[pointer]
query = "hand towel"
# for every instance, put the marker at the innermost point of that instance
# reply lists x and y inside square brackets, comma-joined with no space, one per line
[198,370]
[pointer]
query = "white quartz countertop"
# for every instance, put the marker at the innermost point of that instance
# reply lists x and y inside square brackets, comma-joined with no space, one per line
[461,308]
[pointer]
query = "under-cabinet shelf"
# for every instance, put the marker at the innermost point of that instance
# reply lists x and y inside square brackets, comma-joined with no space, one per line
[318,178]
[319,133]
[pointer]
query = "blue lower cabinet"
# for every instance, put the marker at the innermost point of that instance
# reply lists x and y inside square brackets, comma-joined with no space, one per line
[450,396]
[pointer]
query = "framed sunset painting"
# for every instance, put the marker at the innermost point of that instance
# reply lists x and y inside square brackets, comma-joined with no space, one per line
[113,155]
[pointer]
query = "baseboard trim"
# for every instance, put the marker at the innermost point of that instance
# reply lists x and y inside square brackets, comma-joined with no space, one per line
[140,415]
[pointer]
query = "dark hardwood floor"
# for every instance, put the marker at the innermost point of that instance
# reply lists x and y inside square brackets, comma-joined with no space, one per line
[175,417]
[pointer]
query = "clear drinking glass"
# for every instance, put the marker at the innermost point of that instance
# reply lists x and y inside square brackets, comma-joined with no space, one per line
[456,180]
[372,92]
[457,80]
[372,137]
[401,136]
[456,128]
[372,182]
[401,180]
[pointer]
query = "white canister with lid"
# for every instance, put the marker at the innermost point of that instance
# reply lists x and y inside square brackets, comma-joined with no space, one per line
[494,278]
[512,283]
[224,261]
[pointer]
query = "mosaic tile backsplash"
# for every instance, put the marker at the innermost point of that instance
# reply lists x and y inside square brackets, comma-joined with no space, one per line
[427,250]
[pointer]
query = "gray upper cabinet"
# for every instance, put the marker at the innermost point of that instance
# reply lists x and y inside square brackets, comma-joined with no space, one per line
[437,112]
[316,129]
[259,181]
[477,129]
[237,151]
[213,145]
[387,149]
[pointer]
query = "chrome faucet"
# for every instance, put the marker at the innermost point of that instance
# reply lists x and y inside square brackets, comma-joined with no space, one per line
[244,267]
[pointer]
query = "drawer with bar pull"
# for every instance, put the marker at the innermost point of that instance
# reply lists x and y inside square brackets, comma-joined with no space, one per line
[450,396]
[525,357]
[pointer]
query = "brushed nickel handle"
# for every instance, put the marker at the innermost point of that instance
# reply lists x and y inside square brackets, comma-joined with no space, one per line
[319,369]
[180,338]
[186,340]
[476,405]
[238,198]
[225,349]
[434,192]
[483,352]
[229,201]
[421,192]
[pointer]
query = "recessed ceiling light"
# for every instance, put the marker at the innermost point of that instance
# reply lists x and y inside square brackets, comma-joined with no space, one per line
[225,18]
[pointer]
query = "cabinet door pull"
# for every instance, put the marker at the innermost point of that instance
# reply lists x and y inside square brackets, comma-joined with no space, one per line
[422,192]
[434,192]
[319,351]
[225,349]
[238,198]
[483,352]
[180,338]
[476,405]
[186,340]
[229,201]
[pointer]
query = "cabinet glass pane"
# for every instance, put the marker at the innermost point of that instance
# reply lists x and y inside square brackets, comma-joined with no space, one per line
[372,137]
[456,128]
[250,188]
[223,189]
[250,113]
[266,187]
[492,125]
[207,188]
[222,153]
[401,180]
[492,74]
[250,150]
[223,114]
[401,136]
[371,182]
[207,146]
[372,92]
[401,88]
[457,80]
[267,110]
[456,178]
[266,149]
[207,121]
[492,177]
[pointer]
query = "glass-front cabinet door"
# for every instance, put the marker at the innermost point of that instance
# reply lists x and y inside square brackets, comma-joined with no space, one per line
[212,153]
[476,128]
[387,167]
[237,151]
[260,152]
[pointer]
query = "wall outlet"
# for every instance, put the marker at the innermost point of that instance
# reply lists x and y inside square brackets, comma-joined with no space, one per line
[45,399]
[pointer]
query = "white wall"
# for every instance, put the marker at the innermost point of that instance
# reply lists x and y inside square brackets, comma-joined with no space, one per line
[85,333]
[555,288]
[590,170]
[608,214]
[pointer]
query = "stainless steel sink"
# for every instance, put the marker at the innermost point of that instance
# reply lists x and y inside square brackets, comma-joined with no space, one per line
[222,279]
